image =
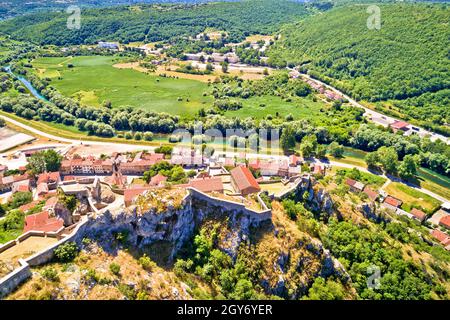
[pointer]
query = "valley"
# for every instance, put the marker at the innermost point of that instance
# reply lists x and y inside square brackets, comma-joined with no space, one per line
[231,150]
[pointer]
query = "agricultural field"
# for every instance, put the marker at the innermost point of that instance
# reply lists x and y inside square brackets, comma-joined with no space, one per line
[92,80]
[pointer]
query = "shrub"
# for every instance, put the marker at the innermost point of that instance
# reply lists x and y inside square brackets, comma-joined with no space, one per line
[50,274]
[66,252]
[147,263]
[114,268]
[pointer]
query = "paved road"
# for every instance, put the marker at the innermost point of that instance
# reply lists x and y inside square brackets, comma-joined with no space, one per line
[70,141]
[378,117]
[248,155]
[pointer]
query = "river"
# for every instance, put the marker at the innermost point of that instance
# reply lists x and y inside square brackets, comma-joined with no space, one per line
[27,84]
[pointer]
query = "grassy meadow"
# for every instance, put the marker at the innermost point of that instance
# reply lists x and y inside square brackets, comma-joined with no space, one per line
[93,79]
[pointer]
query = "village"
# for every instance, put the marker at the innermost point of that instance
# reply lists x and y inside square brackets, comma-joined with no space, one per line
[116,181]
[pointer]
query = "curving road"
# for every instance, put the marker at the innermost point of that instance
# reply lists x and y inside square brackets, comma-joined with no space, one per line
[375,116]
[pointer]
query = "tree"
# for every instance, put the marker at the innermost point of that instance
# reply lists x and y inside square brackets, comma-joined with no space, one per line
[42,161]
[287,139]
[336,150]
[321,151]
[407,168]
[20,198]
[308,146]
[66,252]
[243,290]
[224,67]
[325,290]
[372,159]
[388,158]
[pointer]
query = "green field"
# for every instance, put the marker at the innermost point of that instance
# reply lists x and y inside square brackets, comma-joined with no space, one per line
[93,80]
[259,107]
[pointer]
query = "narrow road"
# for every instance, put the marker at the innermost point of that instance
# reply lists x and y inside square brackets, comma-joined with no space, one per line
[70,141]
[374,115]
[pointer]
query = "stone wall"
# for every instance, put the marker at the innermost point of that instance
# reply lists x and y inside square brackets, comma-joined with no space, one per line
[10,282]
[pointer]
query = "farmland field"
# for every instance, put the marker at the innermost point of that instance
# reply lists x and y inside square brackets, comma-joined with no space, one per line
[93,80]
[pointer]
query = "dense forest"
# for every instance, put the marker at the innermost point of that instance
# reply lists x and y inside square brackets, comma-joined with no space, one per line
[13,8]
[156,22]
[406,59]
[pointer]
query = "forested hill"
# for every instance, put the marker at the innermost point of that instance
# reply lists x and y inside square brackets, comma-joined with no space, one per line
[156,22]
[407,57]
[13,8]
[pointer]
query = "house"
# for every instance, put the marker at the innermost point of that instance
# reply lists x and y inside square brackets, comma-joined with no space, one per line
[355,186]
[6,183]
[42,189]
[42,222]
[392,203]
[52,179]
[442,237]
[318,169]
[207,184]
[419,214]
[371,194]
[400,125]
[243,181]
[87,166]
[141,163]
[21,186]
[158,180]
[295,160]
[437,216]
[445,221]
[108,45]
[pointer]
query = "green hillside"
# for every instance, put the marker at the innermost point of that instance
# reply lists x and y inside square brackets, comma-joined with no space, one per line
[406,58]
[156,22]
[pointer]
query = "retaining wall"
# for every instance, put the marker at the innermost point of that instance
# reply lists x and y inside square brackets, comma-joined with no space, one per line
[10,282]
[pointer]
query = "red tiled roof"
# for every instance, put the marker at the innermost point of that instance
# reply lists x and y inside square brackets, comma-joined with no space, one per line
[419,214]
[158,179]
[393,202]
[42,222]
[244,179]
[49,177]
[440,236]
[23,188]
[207,184]
[399,125]
[371,194]
[350,182]
[445,221]
[42,188]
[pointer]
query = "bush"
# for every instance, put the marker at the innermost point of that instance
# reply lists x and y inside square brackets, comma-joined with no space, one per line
[148,136]
[114,268]
[50,274]
[147,263]
[66,252]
